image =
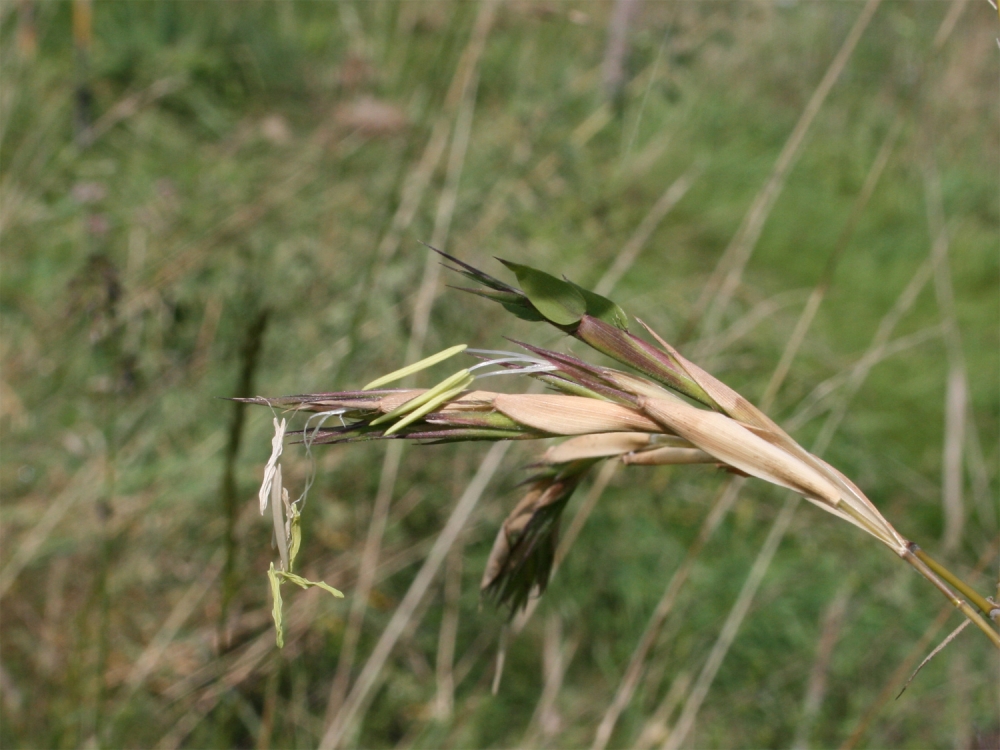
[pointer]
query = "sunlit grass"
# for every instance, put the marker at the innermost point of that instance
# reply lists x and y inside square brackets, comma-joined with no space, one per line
[209,215]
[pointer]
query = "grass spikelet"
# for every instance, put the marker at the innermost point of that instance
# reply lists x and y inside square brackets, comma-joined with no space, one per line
[642,418]
[520,561]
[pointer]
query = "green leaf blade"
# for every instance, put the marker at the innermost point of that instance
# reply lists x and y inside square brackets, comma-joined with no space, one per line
[559,301]
[602,308]
[279,635]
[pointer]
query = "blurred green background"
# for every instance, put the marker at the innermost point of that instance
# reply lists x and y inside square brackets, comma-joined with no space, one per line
[203,199]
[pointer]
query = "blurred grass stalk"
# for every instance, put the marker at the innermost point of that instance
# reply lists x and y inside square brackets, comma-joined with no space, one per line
[460,98]
[83,97]
[249,360]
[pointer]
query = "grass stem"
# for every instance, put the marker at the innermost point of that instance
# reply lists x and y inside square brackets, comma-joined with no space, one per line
[965,589]
[963,606]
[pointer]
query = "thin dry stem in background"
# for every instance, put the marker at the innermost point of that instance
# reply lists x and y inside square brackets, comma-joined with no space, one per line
[876,350]
[735,618]
[937,650]
[616,54]
[366,574]
[957,389]
[628,254]
[728,272]
[685,722]
[833,621]
[497,204]
[557,654]
[131,105]
[905,668]
[728,495]
[979,475]
[360,694]
[824,396]
[655,730]
[179,615]
[466,90]
[85,486]
[444,703]
[720,508]
[818,293]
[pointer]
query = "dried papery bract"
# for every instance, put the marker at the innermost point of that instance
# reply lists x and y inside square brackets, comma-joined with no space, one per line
[520,561]
[663,410]
[277,443]
[287,532]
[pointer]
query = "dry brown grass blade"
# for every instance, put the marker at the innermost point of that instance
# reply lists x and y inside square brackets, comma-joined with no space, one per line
[731,626]
[366,575]
[630,251]
[361,692]
[463,90]
[728,272]
[724,501]
[86,485]
[937,650]
[833,620]
[654,732]
[733,621]
[557,654]
[906,666]
[957,389]
[444,702]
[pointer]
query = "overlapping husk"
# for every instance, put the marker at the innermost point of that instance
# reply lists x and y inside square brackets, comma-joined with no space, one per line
[572,415]
[523,552]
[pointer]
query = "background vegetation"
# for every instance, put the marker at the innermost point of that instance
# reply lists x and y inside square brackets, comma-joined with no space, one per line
[227,213]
